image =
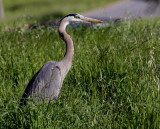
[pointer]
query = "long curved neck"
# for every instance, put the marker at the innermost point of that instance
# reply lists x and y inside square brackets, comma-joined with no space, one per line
[68,57]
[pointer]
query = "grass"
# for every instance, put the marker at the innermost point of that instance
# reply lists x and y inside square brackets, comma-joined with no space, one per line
[114,81]
[33,11]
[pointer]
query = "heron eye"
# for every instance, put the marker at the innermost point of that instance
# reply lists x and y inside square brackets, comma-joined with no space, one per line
[76,17]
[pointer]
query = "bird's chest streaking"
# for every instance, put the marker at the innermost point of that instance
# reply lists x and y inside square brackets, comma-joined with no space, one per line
[65,67]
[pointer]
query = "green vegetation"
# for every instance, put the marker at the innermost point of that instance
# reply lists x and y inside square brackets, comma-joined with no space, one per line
[32,11]
[114,82]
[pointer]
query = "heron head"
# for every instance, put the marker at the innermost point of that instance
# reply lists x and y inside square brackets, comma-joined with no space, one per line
[80,18]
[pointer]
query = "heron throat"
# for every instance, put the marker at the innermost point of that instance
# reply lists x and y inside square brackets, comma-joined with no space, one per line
[69,54]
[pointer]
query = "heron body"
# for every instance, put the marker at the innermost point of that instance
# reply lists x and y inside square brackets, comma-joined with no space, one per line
[47,82]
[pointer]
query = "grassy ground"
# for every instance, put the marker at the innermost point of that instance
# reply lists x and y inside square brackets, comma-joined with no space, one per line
[32,11]
[114,82]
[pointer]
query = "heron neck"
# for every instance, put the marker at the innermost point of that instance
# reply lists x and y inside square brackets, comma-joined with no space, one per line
[68,57]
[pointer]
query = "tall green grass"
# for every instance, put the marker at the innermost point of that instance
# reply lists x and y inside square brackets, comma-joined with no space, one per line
[114,81]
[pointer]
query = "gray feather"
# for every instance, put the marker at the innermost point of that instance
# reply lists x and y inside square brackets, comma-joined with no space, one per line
[46,83]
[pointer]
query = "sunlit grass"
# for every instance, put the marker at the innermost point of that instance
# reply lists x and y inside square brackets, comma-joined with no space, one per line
[114,81]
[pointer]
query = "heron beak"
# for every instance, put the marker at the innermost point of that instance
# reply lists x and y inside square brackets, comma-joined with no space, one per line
[92,20]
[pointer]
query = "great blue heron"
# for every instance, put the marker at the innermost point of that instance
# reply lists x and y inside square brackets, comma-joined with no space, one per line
[47,82]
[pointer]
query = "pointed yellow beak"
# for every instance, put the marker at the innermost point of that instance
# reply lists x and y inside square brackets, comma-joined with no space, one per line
[92,20]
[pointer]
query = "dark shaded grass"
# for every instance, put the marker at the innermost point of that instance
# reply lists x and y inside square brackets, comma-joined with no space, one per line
[114,81]
[44,11]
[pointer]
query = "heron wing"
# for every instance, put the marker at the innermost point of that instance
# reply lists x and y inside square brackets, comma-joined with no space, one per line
[46,83]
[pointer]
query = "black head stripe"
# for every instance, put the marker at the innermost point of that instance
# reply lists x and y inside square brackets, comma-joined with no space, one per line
[72,14]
